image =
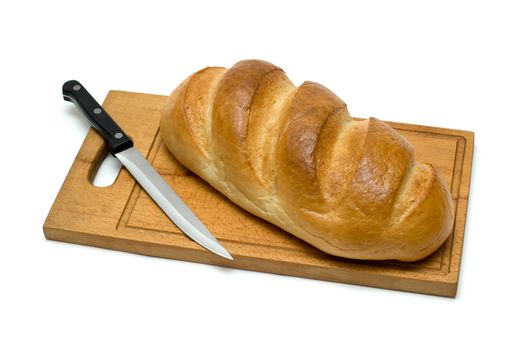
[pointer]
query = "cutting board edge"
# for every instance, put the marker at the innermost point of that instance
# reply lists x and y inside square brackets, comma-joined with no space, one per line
[445,285]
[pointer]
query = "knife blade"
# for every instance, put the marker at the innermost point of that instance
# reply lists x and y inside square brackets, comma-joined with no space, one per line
[121,146]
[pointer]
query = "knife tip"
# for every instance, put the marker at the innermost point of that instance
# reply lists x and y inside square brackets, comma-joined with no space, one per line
[218,249]
[226,255]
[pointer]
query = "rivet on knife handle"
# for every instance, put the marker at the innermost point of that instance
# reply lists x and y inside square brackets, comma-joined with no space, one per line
[116,139]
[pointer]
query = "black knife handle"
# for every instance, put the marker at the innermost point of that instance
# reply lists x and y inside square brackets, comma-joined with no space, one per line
[116,139]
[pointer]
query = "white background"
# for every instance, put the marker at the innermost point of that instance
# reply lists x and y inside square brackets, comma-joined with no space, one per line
[457,64]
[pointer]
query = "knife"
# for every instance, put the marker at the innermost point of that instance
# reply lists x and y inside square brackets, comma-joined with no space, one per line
[121,146]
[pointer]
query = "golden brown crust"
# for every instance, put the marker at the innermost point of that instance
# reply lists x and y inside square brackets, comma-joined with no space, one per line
[294,156]
[187,115]
[244,92]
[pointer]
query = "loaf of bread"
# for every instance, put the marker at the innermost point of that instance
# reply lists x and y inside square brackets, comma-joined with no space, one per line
[295,157]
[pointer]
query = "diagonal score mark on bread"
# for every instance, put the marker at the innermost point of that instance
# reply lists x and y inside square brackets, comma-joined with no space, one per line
[295,157]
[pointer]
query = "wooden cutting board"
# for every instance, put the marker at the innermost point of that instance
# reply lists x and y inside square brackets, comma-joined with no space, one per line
[123,217]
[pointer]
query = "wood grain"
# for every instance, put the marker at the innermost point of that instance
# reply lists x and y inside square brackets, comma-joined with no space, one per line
[123,217]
